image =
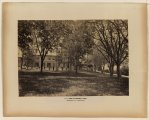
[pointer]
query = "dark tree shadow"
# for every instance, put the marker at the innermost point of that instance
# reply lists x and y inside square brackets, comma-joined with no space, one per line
[46,84]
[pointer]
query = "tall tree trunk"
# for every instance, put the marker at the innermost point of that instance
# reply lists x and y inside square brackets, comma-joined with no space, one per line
[76,65]
[68,66]
[76,68]
[68,63]
[118,71]
[57,63]
[42,61]
[111,69]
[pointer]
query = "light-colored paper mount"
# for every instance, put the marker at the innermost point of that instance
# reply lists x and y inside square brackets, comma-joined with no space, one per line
[134,105]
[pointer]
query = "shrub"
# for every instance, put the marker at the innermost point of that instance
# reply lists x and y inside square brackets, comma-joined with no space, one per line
[125,71]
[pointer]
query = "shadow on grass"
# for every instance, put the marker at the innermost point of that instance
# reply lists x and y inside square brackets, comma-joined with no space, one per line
[43,87]
[62,73]
[46,84]
[112,87]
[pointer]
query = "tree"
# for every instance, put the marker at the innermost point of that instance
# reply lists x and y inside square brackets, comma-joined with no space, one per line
[24,38]
[47,35]
[28,58]
[121,49]
[98,61]
[78,43]
[111,38]
[103,43]
[74,46]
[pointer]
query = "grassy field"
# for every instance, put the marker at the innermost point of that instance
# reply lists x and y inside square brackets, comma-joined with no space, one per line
[70,84]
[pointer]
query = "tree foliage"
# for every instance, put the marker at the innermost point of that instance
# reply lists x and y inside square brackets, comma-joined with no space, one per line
[76,38]
[111,38]
[24,38]
[78,43]
[47,35]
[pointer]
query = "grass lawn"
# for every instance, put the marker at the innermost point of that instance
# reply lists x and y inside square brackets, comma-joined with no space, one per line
[69,84]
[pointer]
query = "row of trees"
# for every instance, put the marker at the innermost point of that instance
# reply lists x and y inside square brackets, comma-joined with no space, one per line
[78,43]
[41,35]
[77,39]
[111,38]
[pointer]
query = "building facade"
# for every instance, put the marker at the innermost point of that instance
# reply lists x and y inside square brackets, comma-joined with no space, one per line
[52,62]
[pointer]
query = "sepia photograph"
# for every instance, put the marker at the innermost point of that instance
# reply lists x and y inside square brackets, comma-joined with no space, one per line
[73,57]
[75,60]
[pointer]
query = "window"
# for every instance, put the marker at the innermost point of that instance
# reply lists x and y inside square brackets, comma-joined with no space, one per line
[48,64]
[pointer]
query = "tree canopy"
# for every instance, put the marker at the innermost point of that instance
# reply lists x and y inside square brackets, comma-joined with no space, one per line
[76,38]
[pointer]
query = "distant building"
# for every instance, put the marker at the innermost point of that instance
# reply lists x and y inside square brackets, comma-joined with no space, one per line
[49,62]
[53,61]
